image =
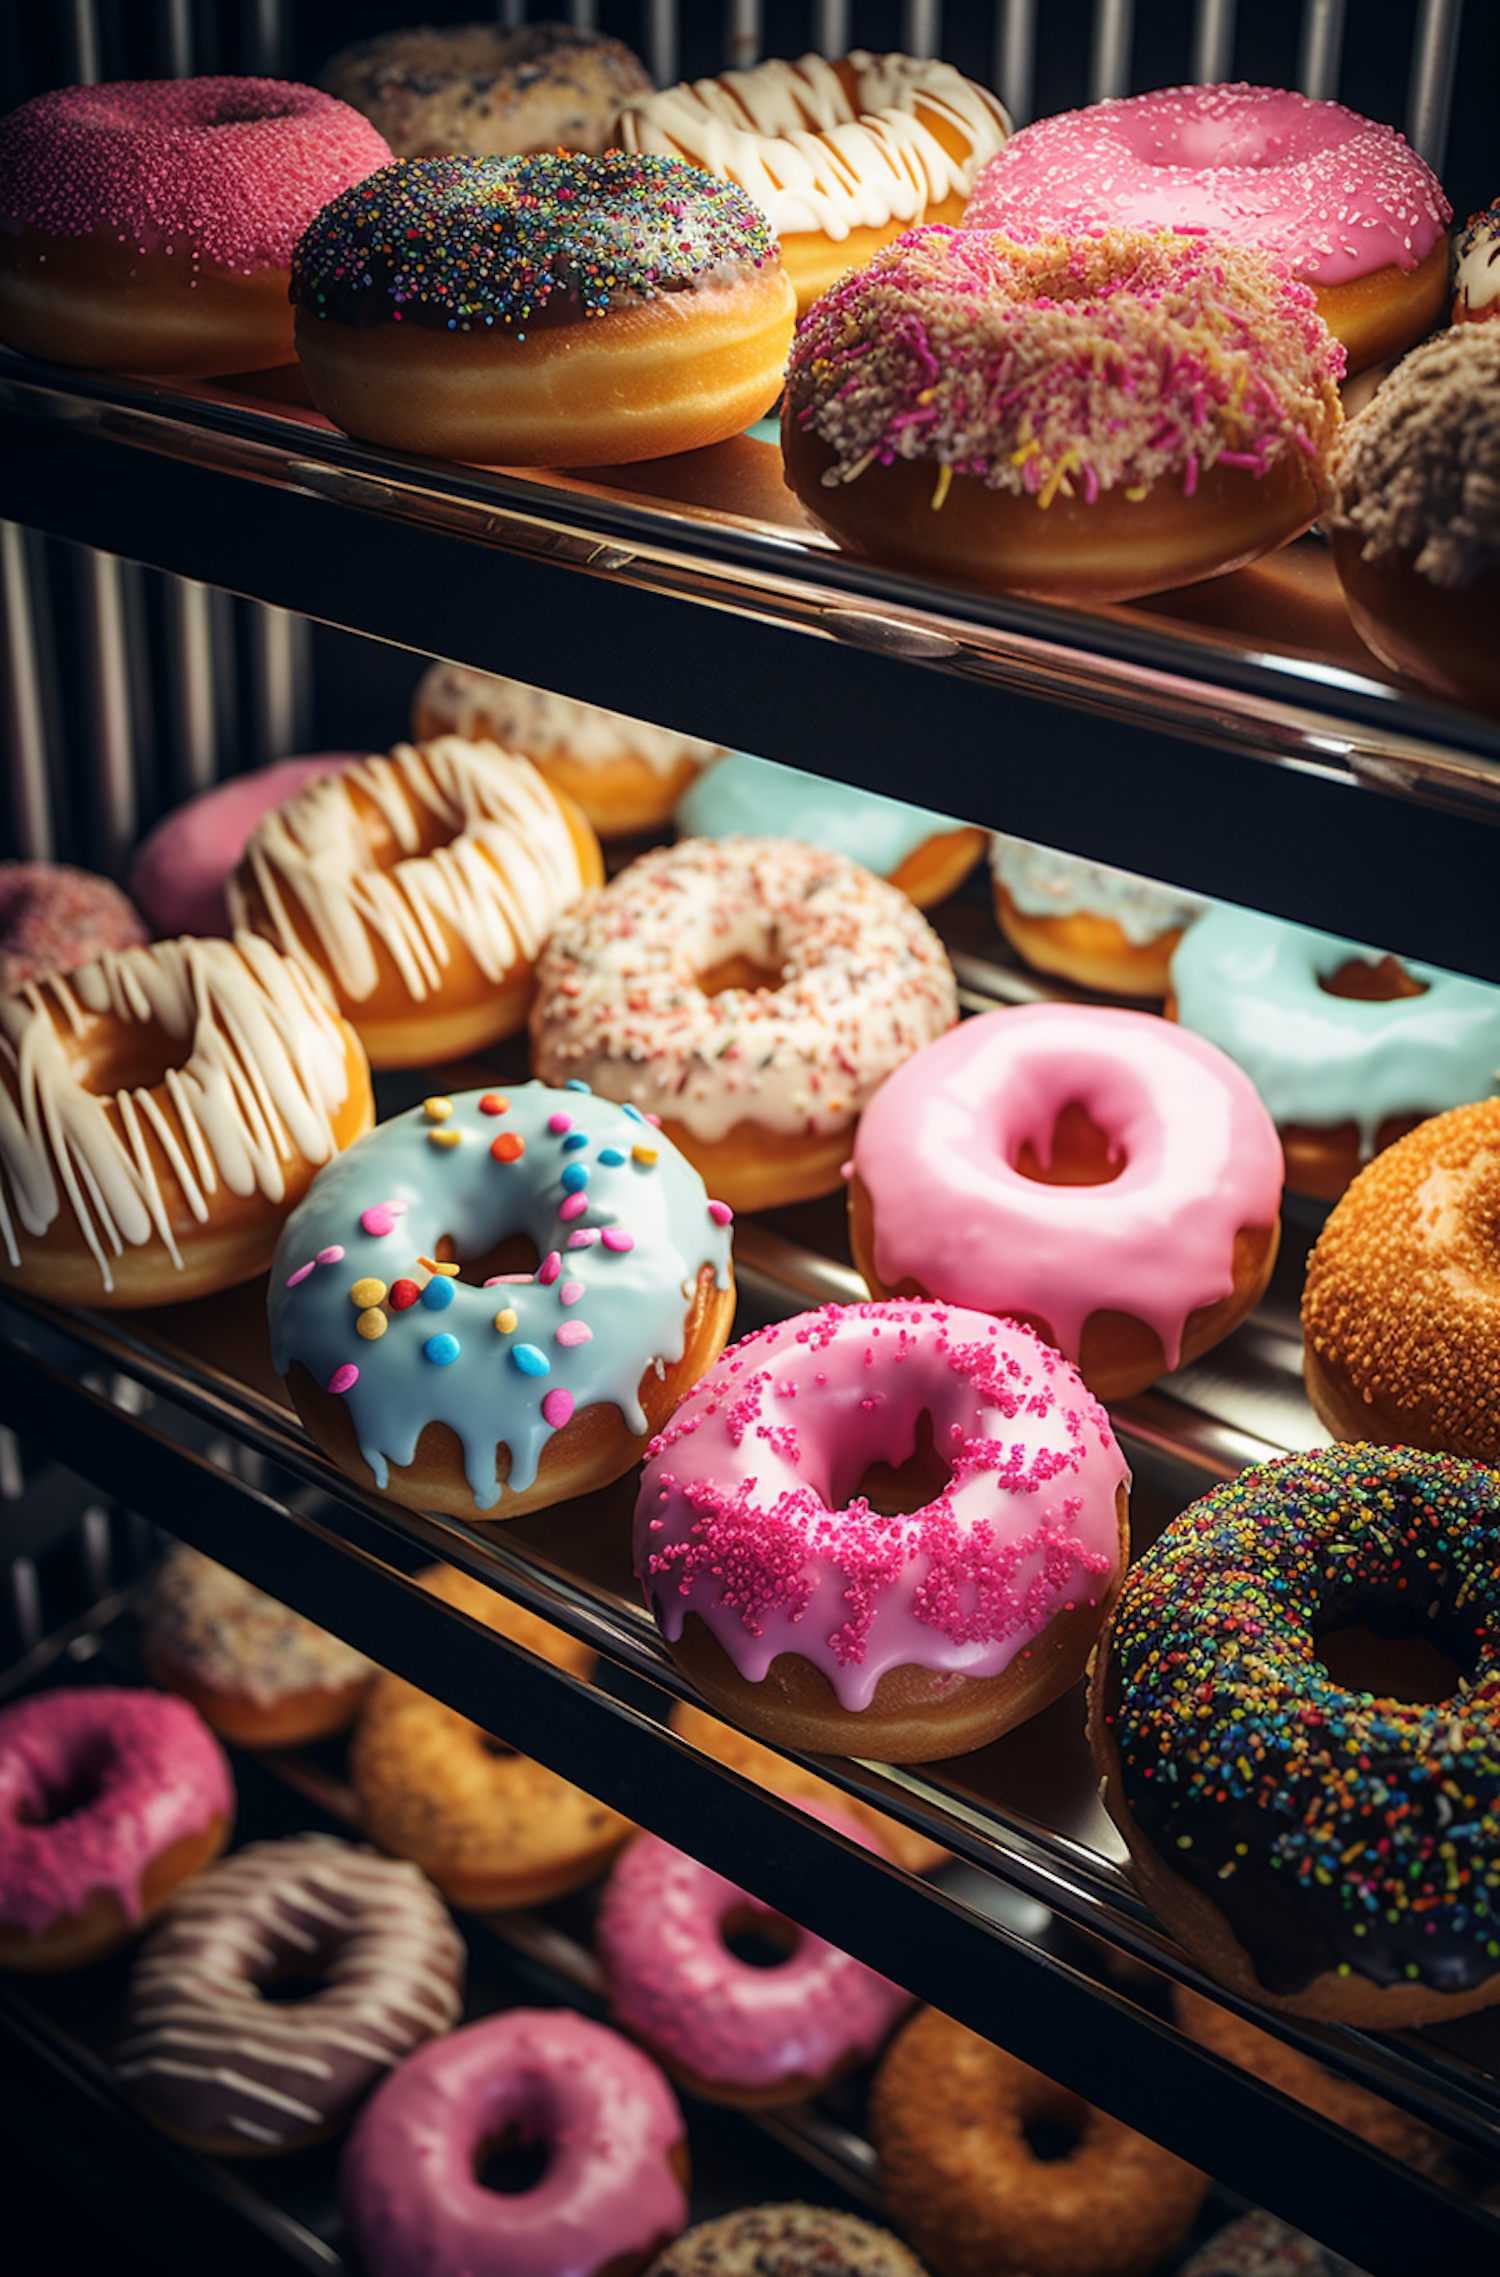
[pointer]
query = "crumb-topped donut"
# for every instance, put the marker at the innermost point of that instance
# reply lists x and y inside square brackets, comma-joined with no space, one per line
[802,1591]
[787,2241]
[501,1398]
[550,311]
[486,90]
[422,886]
[949,2114]
[1103,1177]
[109,1800]
[1416,520]
[614,2185]
[1399,1308]
[160,1112]
[838,156]
[1101,927]
[259,1673]
[54,919]
[728,2029]
[624,773]
[218,2061]
[148,225]
[1089,420]
[752,993]
[491,1828]
[1346,202]
[1348,1048]
[1319,1848]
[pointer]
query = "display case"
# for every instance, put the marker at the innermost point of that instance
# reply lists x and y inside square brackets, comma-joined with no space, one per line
[167,553]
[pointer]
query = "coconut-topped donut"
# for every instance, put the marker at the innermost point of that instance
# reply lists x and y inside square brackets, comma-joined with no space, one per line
[524,1385]
[1094,418]
[753,992]
[1344,200]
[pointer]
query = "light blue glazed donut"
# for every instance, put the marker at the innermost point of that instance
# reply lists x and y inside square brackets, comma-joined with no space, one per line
[622,1226]
[741,794]
[1250,984]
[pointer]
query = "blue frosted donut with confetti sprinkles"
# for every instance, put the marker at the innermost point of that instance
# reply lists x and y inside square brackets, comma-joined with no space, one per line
[1316,1844]
[434,1364]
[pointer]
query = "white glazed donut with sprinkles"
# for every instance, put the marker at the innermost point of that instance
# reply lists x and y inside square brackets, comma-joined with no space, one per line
[516,1388]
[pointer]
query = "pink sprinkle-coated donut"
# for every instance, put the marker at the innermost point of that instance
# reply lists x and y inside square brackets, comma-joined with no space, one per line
[1196,1159]
[751,1517]
[54,919]
[180,871]
[723,2027]
[95,1784]
[613,2191]
[1337,195]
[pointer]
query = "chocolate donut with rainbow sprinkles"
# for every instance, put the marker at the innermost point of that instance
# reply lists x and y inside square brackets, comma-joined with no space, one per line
[504,1392]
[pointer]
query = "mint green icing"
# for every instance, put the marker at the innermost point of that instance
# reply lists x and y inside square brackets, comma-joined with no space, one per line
[1044,883]
[621,1241]
[744,794]
[1250,985]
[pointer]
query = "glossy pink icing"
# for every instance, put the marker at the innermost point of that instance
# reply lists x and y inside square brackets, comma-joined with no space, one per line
[673,1980]
[604,2111]
[179,872]
[1336,194]
[936,1147]
[146,1771]
[749,1514]
[234,169]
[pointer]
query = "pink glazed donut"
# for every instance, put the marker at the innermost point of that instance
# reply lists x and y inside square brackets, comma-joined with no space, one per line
[179,872]
[109,1800]
[888,1530]
[1067,1165]
[614,2189]
[726,2030]
[1351,208]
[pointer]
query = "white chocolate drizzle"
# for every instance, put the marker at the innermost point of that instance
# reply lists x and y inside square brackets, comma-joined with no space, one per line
[263,1075]
[508,870]
[813,159]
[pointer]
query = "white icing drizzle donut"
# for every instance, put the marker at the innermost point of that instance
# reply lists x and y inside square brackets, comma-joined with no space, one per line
[406,861]
[254,1102]
[217,2063]
[829,147]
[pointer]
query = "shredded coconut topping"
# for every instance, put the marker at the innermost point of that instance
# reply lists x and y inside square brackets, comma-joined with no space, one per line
[1419,471]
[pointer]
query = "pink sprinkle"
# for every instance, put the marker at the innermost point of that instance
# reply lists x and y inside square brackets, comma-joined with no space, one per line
[300,1275]
[557,1408]
[549,1269]
[613,1238]
[574,1206]
[331,1256]
[570,1292]
[575,1332]
[721,1213]
[497,1279]
[379,1220]
[559,1123]
[654,1121]
[344,1379]
[585,1238]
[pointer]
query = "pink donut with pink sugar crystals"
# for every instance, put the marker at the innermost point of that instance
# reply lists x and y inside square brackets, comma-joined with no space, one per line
[1341,198]
[884,1529]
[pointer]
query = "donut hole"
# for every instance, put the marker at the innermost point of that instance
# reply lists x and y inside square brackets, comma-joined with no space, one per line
[130,1055]
[1080,1152]
[497,1749]
[511,2162]
[739,972]
[1407,1665]
[1363,983]
[895,1490]
[1053,2123]
[289,1986]
[77,1789]
[757,1939]
[516,1254]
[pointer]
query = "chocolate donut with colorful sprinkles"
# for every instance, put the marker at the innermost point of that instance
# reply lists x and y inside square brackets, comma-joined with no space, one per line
[1321,1848]
[485,1397]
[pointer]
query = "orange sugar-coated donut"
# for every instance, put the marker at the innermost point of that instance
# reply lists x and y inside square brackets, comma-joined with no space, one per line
[487,90]
[945,410]
[148,225]
[1313,1815]
[1416,520]
[948,2115]
[421,887]
[109,1800]
[839,156]
[490,1827]
[1399,1312]
[167,1106]
[550,311]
